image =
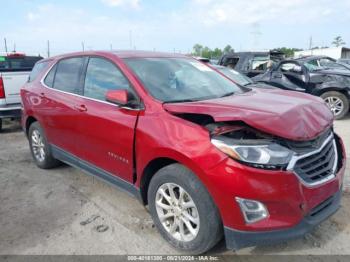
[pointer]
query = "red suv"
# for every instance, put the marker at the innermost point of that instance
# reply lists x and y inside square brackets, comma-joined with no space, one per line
[210,158]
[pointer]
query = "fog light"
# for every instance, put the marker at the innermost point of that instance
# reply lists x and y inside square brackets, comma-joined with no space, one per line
[252,210]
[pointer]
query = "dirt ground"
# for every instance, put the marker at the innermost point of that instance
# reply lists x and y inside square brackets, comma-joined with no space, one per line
[64,211]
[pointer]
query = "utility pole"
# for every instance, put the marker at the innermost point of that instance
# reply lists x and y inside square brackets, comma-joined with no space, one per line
[111,46]
[5,45]
[310,43]
[83,46]
[14,47]
[48,48]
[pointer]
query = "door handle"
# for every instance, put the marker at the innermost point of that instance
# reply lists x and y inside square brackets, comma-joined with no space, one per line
[80,108]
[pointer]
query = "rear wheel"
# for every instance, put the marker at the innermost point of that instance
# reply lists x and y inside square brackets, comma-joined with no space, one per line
[337,102]
[183,211]
[40,148]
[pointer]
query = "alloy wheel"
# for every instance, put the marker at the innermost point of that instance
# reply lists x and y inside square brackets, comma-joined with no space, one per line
[177,212]
[335,104]
[38,146]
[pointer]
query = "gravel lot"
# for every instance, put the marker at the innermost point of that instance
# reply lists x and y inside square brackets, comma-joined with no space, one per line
[64,211]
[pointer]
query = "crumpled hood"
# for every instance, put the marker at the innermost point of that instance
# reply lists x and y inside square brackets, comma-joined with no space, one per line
[286,114]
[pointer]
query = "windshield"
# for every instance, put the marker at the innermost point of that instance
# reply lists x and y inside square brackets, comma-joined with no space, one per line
[180,79]
[235,76]
[323,63]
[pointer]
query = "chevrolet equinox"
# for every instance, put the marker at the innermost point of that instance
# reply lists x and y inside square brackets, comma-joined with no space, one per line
[210,158]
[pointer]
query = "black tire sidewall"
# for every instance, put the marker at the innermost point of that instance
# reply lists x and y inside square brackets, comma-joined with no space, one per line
[210,231]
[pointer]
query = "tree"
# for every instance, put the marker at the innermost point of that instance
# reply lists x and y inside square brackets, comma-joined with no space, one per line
[288,52]
[338,41]
[228,49]
[197,50]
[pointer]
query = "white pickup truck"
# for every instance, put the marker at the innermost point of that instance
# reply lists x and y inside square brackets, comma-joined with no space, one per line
[14,72]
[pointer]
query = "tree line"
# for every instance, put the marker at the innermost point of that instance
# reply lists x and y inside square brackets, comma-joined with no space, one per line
[216,53]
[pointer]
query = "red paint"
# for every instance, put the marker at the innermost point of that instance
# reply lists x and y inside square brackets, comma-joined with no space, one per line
[104,134]
[119,97]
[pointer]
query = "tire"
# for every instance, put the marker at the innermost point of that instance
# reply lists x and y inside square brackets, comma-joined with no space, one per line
[209,226]
[38,141]
[334,98]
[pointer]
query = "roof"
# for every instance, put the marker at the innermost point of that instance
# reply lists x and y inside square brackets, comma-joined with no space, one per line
[312,57]
[121,54]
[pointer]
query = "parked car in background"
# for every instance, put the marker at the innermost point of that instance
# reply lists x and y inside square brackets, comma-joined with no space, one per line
[311,76]
[251,63]
[14,71]
[234,75]
[208,157]
[324,62]
[239,78]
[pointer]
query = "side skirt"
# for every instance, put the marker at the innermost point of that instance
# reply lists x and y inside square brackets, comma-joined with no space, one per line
[91,169]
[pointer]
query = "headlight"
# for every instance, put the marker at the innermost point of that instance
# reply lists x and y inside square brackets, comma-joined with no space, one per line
[259,154]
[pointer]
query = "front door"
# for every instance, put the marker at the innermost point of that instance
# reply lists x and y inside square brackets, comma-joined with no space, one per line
[106,130]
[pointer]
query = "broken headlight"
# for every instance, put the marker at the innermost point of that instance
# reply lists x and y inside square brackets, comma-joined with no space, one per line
[257,153]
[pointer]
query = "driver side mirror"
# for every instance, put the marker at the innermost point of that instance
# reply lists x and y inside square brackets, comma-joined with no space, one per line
[118,97]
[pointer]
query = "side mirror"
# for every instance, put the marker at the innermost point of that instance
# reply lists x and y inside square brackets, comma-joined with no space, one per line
[119,97]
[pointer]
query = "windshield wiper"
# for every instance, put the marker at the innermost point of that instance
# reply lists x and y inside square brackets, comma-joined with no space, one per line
[181,101]
[227,94]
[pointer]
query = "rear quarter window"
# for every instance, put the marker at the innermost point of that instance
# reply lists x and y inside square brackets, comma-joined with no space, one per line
[38,68]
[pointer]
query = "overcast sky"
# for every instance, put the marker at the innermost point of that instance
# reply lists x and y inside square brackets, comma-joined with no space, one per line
[165,25]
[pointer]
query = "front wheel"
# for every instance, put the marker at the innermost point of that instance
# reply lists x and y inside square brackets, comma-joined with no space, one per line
[183,211]
[337,102]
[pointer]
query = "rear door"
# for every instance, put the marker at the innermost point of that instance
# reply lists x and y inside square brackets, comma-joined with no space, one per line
[58,103]
[106,131]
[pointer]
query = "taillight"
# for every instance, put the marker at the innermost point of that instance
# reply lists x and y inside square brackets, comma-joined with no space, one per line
[2,88]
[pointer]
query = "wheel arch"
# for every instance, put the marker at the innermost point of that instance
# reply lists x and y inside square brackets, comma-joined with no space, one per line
[149,171]
[30,120]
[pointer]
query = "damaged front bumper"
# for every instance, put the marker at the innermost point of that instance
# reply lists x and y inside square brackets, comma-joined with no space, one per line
[236,239]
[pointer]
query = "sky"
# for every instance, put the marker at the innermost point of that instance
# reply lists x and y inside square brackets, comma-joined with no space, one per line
[170,25]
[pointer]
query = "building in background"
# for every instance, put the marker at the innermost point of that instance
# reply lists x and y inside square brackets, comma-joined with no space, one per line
[334,52]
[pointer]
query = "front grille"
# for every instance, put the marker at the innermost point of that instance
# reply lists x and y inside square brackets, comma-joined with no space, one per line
[318,166]
[302,147]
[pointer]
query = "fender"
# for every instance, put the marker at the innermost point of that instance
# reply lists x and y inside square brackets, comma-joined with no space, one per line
[331,86]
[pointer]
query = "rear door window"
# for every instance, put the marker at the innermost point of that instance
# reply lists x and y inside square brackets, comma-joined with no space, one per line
[101,76]
[68,75]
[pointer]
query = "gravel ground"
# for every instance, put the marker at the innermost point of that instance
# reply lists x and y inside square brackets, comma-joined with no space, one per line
[64,211]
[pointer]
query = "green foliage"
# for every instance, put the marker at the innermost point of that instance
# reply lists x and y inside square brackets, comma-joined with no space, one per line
[289,52]
[338,41]
[204,51]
